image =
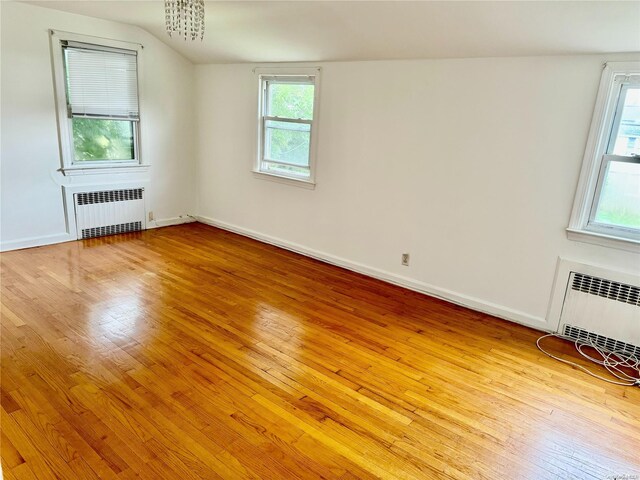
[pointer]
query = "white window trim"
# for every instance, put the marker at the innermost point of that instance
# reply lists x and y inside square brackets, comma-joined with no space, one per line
[313,145]
[605,107]
[68,167]
[100,169]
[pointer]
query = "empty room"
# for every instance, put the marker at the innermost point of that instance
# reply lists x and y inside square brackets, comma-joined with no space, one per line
[320,240]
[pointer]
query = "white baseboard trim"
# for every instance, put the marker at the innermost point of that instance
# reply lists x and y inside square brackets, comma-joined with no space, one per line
[167,222]
[473,303]
[36,241]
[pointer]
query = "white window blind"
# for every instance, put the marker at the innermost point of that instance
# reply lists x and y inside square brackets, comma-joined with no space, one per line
[101,82]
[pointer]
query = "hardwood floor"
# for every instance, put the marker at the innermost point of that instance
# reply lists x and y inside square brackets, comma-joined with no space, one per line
[189,352]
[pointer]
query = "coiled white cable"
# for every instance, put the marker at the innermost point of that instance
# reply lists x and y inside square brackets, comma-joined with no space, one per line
[613,361]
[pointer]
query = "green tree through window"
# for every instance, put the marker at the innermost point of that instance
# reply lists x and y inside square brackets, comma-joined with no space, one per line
[289,100]
[102,139]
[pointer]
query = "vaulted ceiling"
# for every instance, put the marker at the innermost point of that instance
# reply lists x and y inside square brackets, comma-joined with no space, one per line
[265,31]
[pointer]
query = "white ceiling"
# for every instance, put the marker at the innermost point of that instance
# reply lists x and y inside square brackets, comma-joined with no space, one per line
[266,31]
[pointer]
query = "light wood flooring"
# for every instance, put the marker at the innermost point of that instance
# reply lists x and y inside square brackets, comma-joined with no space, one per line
[189,352]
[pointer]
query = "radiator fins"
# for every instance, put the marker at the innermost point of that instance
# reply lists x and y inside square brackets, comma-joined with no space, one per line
[111,230]
[89,198]
[606,288]
[607,343]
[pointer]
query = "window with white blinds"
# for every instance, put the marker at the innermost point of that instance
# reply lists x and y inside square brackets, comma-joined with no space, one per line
[96,85]
[101,82]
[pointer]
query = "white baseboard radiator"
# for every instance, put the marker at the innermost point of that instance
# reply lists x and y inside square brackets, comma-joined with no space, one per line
[109,212]
[602,311]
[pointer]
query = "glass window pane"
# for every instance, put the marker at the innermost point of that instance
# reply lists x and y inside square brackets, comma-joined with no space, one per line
[626,141]
[619,203]
[287,142]
[102,140]
[290,100]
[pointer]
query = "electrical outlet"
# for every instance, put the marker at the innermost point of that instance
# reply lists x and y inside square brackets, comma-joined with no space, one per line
[150,216]
[405,259]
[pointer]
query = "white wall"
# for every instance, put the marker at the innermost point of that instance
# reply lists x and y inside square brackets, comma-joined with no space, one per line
[470,165]
[32,210]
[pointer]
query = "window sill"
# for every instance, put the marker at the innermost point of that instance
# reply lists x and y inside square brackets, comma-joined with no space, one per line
[297,182]
[103,169]
[604,240]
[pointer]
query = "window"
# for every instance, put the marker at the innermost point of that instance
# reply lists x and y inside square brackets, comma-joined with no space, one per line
[607,207]
[287,125]
[97,96]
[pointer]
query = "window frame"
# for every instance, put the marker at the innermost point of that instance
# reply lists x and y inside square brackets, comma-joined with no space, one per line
[582,226]
[310,75]
[69,165]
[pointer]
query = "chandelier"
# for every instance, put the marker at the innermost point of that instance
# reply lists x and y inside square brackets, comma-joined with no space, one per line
[185,18]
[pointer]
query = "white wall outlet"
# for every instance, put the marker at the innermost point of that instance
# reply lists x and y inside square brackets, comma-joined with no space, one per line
[150,216]
[405,259]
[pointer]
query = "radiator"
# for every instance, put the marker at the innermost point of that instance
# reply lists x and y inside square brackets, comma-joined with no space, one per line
[109,212]
[602,310]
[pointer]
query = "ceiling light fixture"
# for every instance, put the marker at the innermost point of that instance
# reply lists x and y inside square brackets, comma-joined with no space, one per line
[185,18]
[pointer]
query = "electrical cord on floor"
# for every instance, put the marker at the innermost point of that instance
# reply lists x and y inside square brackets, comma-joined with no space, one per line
[614,361]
